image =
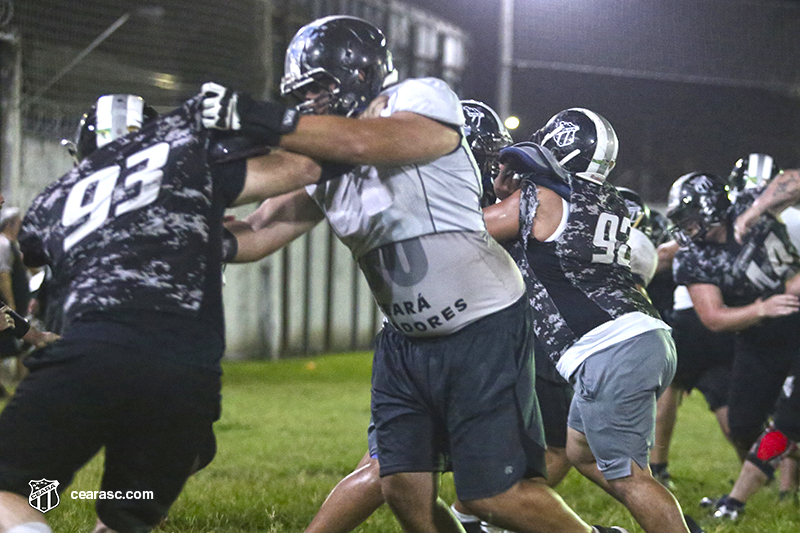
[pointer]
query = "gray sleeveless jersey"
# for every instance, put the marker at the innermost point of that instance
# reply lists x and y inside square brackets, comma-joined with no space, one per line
[417,231]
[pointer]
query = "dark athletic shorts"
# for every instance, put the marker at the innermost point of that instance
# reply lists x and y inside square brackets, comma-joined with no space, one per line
[154,418]
[465,401]
[705,358]
[555,395]
[554,401]
[757,378]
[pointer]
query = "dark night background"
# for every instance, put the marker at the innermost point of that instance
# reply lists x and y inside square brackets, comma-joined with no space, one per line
[688,84]
[699,83]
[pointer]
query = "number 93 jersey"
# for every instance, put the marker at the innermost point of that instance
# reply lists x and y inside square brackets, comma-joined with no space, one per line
[580,278]
[129,226]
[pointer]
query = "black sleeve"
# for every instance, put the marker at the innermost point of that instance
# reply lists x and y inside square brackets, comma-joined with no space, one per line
[32,249]
[229,179]
[21,326]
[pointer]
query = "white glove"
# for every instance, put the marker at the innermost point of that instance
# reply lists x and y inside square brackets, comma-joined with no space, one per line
[219,107]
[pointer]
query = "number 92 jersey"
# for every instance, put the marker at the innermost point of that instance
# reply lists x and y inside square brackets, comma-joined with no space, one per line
[580,278]
[129,227]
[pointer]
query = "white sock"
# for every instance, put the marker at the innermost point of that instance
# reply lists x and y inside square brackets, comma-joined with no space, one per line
[31,527]
[464,517]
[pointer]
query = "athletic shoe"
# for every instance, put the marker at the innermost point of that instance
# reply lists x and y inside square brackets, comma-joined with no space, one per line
[709,502]
[727,512]
[612,529]
[727,508]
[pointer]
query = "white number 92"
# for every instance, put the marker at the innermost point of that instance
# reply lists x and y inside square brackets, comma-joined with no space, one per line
[605,237]
[98,206]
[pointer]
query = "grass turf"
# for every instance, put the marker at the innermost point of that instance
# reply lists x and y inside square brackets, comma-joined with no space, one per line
[290,430]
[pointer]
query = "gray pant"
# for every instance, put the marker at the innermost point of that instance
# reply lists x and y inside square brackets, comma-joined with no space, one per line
[615,399]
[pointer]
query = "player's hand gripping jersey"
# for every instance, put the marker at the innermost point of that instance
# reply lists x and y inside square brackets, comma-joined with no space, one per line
[132,226]
[416,229]
[758,268]
[580,278]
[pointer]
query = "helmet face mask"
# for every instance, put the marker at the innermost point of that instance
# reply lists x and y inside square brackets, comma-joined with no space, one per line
[486,135]
[659,228]
[698,202]
[638,211]
[337,65]
[315,93]
[583,142]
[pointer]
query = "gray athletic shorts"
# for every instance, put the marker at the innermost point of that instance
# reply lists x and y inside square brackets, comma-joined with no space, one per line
[615,399]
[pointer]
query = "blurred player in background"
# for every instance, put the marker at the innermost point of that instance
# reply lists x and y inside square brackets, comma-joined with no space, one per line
[750,288]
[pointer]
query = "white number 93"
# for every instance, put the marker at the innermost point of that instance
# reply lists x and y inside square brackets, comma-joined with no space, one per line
[97,208]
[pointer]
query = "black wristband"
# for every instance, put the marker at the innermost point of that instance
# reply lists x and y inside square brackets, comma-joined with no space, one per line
[265,121]
[21,326]
[230,246]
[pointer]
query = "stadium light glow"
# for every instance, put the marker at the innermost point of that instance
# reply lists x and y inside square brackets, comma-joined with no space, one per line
[512,123]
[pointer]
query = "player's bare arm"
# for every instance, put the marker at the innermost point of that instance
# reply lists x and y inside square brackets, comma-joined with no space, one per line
[277,173]
[402,138]
[548,214]
[717,316]
[276,223]
[502,218]
[782,192]
[666,253]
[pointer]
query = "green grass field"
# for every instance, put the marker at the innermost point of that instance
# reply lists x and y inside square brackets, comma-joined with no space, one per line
[291,430]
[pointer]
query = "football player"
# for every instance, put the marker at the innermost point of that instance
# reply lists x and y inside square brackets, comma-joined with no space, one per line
[704,362]
[133,235]
[750,288]
[409,210]
[600,331]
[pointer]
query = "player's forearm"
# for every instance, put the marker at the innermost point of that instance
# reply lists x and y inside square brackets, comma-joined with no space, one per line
[732,319]
[277,173]
[666,254]
[502,219]
[6,291]
[375,141]
[277,222]
[782,192]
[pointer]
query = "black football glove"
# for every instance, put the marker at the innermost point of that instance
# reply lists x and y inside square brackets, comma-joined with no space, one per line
[225,109]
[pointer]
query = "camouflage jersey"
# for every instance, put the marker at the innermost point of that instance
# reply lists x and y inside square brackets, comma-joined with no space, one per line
[130,231]
[757,268]
[581,278]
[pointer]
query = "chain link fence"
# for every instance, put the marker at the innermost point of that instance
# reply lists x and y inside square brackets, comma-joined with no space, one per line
[309,297]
